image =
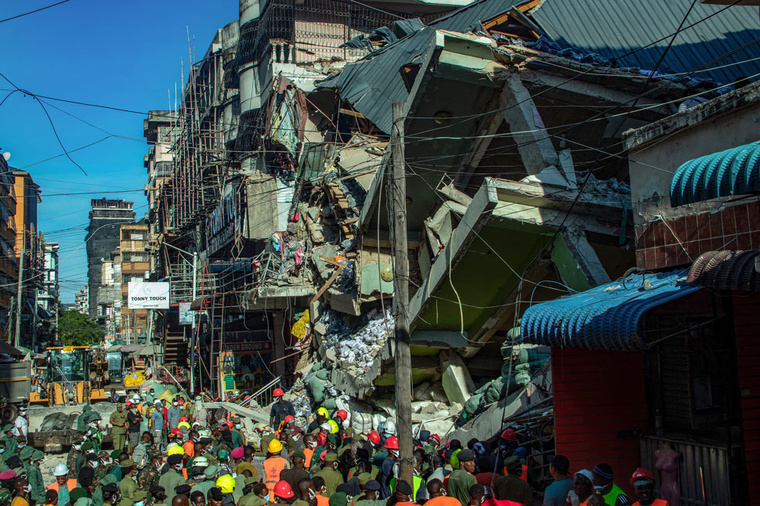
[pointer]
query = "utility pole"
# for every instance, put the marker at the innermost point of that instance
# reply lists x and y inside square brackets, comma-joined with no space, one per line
[401,297]
[192,328]
[10,319]
[20,292]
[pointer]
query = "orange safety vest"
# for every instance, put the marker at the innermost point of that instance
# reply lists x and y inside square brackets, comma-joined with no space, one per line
[71,484]
[189,448]
[657,502]
[308,453]
[273,466]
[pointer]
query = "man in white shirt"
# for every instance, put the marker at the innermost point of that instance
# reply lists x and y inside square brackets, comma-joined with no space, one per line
[22,425]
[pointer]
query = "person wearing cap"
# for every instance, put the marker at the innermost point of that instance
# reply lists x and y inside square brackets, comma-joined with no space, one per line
[297,471]
[338,499]
[6,484]
[603,484]
[402,496]
[20,492]
[330,474]
[643,483]
[86,476]
[127,485]
[22,422]
[556,493]
[273,465]
[62,484]
[236,431]
[437,494]
[280,408]
[371,495]
[460,480]
[582,488]
[87,447]
[157,423]
[119,424]
[173,477]
[210,474]
[510,487]
[111,494]
[34,475]
[9,439]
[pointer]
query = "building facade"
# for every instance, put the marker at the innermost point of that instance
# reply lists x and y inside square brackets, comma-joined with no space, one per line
[106,217]
[8,265]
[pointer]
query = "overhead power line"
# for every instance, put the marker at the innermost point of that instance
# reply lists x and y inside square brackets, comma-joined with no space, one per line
[32,12]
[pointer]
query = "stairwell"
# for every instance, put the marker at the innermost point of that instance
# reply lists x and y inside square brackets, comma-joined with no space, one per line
[175,349]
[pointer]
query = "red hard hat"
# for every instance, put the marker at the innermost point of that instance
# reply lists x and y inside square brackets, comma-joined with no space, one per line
[283,490]
[341,414]
[177,432]
[279,393]
[321,438]
[128,403]
[374,437]
[391,443]
[289,419]
[509,435]
[436,437]
[183,419]
[641,474]
[230,424]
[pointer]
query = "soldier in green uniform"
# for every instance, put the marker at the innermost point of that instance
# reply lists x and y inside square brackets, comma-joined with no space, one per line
[237,436]
[97,496]
[127,485]
[210,474]
[173,477]
[331,476]
[9,439]
[73,457]
[119,423]
[34,475]
[87,447]
[150,474]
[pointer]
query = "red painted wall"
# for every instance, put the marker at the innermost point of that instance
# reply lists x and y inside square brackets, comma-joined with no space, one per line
[746,310]
[596,395]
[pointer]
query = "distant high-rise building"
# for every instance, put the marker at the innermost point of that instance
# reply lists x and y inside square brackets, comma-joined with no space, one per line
[82,300]
[102,238]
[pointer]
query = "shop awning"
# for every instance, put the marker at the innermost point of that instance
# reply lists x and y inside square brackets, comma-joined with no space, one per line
[735,171]
[607,317]
[727,270]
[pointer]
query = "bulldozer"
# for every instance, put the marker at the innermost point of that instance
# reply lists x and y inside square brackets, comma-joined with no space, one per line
[74,375]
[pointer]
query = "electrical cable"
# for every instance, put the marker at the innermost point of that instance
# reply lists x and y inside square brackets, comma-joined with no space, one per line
[32,12]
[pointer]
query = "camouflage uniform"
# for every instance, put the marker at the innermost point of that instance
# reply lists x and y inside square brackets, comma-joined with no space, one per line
[148,477]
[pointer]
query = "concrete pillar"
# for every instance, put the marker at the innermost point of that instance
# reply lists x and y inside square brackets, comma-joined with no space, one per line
[521,114]
[577,261]
[249,9]
[278,345]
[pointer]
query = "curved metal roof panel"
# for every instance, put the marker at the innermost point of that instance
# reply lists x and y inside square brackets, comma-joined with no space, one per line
[734,171]
[727,270]
[606,317]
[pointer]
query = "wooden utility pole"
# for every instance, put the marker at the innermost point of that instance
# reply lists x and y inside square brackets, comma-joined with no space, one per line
[401,298]
[20,292]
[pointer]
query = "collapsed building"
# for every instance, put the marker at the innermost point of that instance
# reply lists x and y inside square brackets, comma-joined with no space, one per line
[516,180]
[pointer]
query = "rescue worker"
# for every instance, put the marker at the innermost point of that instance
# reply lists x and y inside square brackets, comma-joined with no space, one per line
[226,484]
[460,480]
[119,423]
[386,470]
[643,483]
[73,456]
[273,466]
[280,409]
[297,472]
[63,485]
[9,439]
[134,420]
[34,475]
[330,473]
[282,492]
[605,486]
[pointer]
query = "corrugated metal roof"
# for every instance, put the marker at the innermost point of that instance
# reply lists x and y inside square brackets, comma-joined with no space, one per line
[373,83]
[606,317]
[727,270]
[613,28]
[734,171]
[471,16]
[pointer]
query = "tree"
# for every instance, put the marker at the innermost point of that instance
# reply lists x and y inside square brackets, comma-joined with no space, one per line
[76,329]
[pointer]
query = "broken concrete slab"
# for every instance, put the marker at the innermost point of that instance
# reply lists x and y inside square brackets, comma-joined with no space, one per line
[455,379]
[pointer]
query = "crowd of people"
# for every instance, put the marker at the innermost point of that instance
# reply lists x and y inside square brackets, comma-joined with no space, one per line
[170,451]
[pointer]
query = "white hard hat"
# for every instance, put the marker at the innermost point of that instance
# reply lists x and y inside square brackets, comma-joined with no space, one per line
[135,397]
[389,427]
[326,426]
[60,470]
[200,462]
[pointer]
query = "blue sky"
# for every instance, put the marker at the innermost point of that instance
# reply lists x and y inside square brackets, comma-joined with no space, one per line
[123,54]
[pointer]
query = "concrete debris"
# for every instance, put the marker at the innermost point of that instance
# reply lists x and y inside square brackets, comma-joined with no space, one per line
[455,379]
[356,346]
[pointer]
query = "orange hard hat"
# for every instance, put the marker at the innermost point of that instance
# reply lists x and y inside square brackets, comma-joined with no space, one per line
[283,490]
[391,443]
[341,414]
[374,437]
[279,393]
[639,475]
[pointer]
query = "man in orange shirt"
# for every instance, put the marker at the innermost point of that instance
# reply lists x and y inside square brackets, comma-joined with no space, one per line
[189,446]
[438,495]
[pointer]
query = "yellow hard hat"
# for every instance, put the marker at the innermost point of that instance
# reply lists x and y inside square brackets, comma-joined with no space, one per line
[274,446]
[184,425]
[334,429]
[323,411]
[175,450]
[226,484]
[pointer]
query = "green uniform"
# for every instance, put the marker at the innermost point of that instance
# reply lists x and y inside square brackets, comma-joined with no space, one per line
[97,497]
[71,461]
[127,488]
[332,479]
[34,475]
[254,500]
[148,477]
[119,432]
[204,487]
[237,439]
[460,482]
[169,481]
[5,495]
